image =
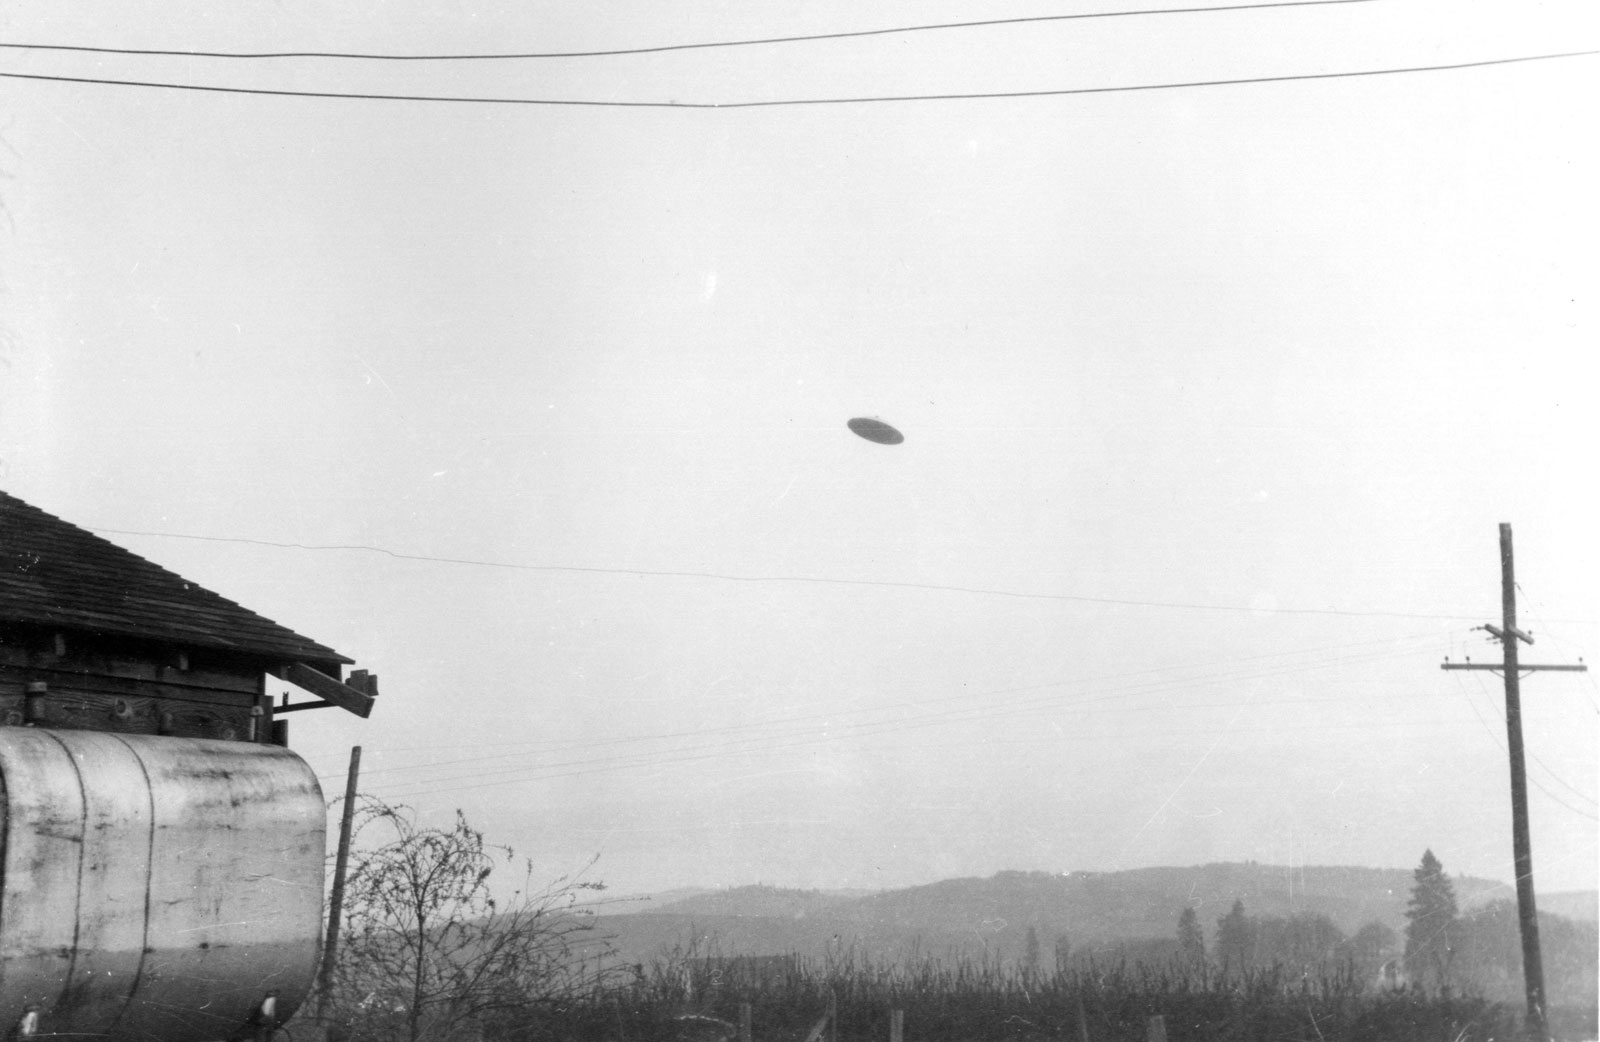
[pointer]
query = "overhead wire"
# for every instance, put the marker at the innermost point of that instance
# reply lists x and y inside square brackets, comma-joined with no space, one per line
[845,729]
[779,741]
[794,102]
[797,579]
[701,45]
[475,782]
[762,742]
[864,727]
[919,703]
[832,727]
[1530,753]
[1500,743]
[1533,608]
[1530,610]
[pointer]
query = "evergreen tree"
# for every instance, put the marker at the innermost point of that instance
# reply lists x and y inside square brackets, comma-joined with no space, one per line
[1191,940]
[1432,925]
[1236,940]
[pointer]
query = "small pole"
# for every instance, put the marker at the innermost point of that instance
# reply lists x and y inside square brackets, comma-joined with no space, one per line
[330,946]
[897,1025]
[744,1022]
[833,1017]
[1083,1021]
[1155,1029]
[260,713]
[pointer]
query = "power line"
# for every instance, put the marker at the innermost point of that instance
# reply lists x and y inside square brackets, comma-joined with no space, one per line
[1555,776]
[1500,742]
[872,728]
[789,736]
[839,724]
[765,744]
[662,48]
[866,729]
[1390,642]
[1534,611]
[797,579]
[793,102]
[667,760]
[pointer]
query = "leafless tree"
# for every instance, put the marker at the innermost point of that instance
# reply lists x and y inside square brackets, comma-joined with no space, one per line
[445,934]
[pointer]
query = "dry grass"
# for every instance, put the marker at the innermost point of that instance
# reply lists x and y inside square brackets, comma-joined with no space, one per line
[966,1000]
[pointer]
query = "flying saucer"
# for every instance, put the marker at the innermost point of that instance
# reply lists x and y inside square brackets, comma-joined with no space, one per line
[876,430]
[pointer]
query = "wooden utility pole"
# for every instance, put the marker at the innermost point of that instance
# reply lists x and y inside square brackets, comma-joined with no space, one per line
[330,946]
[1521,846]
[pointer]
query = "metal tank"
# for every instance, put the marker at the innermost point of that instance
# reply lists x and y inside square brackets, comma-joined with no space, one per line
[154,887]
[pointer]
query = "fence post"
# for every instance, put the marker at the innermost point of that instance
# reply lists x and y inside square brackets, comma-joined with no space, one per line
[897,1025]
[744,1022]
[833,1017]
[1155,1029]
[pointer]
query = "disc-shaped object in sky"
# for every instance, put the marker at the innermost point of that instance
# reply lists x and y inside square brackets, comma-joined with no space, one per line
[876,430]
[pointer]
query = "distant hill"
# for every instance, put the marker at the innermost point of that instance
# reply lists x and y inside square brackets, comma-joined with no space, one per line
[993,915]
[621,904]
[1146,902]
[757,900]
[1578,905]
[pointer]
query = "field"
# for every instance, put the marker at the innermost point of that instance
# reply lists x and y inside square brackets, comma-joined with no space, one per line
[699,999]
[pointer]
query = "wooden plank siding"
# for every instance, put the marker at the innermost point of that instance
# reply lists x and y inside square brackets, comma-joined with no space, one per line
[119,687]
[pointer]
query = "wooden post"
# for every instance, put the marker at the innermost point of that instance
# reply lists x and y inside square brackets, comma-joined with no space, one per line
[1083,1021]
[897,1025]
[833,1017]
[33,711]
[1521,847]
[263,722]
[330,946]
[1155,1029]
[744,1022]
[1512,667]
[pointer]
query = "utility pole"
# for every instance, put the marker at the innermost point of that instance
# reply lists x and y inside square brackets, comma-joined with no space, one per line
[1521,846]
[330,947]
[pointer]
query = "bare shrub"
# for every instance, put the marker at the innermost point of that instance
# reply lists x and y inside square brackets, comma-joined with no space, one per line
[446,936]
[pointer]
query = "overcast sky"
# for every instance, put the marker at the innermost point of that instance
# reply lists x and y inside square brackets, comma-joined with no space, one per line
[1213,398]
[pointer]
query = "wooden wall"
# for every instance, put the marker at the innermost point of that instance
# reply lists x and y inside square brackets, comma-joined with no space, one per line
[96,683]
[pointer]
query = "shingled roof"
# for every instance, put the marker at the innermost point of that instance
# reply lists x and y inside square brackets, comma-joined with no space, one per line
[53,573]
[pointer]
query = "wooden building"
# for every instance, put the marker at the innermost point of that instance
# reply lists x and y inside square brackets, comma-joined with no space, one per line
[161,853]
[94,637]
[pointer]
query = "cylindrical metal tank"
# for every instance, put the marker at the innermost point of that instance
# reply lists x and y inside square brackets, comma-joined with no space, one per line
[154,888]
